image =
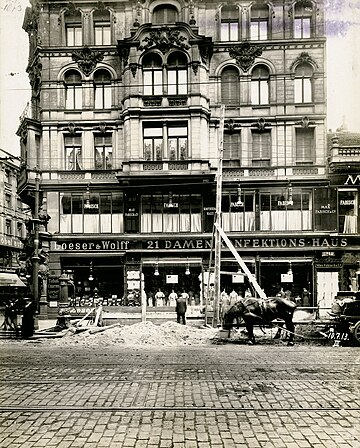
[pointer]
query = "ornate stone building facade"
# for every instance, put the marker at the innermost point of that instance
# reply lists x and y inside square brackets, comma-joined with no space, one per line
[125,130]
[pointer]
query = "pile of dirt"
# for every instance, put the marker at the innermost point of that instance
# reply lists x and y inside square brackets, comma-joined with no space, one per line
[166,334]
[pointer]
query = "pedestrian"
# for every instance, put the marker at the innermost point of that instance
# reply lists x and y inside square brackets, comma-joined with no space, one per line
[28,320]
[172,298]
[305,297]
[159,297]
[181,306]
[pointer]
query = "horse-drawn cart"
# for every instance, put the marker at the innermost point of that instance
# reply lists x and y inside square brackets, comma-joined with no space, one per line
[344,320]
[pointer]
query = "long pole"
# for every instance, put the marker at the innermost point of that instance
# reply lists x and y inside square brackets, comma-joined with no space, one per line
[35,258]
[218,220]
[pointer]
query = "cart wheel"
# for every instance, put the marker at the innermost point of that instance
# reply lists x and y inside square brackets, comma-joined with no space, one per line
[356,331]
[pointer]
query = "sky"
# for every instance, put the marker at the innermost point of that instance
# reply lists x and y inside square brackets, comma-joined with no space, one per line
[343,67]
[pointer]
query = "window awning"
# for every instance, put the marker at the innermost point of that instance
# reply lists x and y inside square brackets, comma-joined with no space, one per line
[11,279]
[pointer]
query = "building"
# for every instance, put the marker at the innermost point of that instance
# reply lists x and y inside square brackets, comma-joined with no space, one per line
[124,131]
[13,217]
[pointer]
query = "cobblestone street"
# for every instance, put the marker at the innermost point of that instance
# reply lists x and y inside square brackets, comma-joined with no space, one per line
[230,395]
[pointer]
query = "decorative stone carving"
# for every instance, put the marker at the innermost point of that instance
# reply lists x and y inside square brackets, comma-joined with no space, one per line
[230,125]
[206,51]
[72,129]
[261,124]
[245,54]
[195,66]
[164,38]
[124,55]
[304,58]
[102,128]
[133,68]
[305,122]
[34,72]
[87,59]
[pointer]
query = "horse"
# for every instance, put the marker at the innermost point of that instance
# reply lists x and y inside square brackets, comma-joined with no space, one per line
[260,312]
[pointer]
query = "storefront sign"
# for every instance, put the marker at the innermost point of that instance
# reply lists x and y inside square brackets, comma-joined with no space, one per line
[287,278]
[322,243]
[238,278]
[53,287]
[9,241]
[352,179]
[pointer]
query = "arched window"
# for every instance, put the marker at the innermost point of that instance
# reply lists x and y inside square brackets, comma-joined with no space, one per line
[152,74]
[102,28]
[73,28]
[303,83]
[73,91]
[230,86]
[259,24]
[177,74]
[229,24]
[102,89]
[260,85]
[165,14]
[302,19]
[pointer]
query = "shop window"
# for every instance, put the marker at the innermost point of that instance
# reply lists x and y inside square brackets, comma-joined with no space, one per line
[261,148]
[286,209]
[348,211]
[73,29]
[229,30]
[303,83]
[230,86]
[73,153]
[177,142]
[170,213]
[232,149]
[260,85]
[73,90]
[177,74]
[304,145]
[165,14]
[259,23]
[152,74]
[102,89]
[238,211]
[102,28]
[302,19]
[103,152]
[91,213]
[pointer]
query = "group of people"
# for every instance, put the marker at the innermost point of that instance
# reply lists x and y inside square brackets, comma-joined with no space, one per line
[24,307]
[179,301]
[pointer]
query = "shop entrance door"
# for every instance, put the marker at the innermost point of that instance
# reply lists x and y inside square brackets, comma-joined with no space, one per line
[327,288]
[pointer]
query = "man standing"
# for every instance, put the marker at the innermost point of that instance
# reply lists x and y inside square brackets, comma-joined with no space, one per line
[180,309]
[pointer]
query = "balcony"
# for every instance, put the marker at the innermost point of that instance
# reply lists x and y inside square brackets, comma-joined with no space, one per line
[159,169]
[344,152]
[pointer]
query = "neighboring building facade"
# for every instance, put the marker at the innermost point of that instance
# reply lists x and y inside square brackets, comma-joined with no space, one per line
[124,126]
[13,218]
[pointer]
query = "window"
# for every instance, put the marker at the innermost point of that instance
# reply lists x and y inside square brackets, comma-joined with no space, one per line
[73,152]
[19,229]
[165,14]
[8,227]
[91,212]
[73,90]
[261,148]
[8,201]
[177,74]
[302,20]
[286,209]
[303,83]
[103,152]
[153,143]
[304,145]
[230,86]
[259,22]
[102,29]
[177,142]
[176,137]
[232,149]
[238,211]
[170,213]
[260,85]
[102,89]
[229,24]
[73,29]
[152,75]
